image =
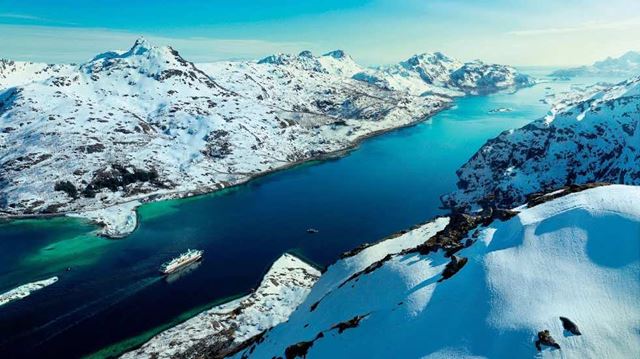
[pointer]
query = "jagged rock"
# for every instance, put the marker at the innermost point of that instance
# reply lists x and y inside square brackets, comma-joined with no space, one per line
[570,326]
[301,349]
[67,187]
[453,267]
[545,338]
[351,323]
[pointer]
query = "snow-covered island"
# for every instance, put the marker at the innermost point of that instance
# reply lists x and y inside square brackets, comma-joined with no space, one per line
[25,290]
[626,65]
[224,328]
[501,110]
[97,139]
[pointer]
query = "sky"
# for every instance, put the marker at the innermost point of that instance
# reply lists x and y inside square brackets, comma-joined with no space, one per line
[373,32]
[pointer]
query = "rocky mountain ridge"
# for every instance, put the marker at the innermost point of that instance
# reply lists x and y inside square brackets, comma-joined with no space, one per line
[593,137]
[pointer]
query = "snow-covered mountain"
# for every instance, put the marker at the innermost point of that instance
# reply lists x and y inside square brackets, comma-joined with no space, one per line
[335,62]
[626,65]
[16,73]
[145,124]
[592,136]
[563,276]
[437,73]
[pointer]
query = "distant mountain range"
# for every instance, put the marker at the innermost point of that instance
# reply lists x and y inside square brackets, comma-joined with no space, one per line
[98,138]
[626,65]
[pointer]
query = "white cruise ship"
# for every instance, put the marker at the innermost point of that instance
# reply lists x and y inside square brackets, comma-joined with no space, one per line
[190,256]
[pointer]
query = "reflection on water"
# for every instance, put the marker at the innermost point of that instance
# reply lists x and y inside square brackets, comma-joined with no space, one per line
[182,272]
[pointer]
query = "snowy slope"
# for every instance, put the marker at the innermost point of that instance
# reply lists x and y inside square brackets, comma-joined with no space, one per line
[222,328]
[625,65]
[593,137]
[577,256]
[437,73]
[146,124]
[17,73]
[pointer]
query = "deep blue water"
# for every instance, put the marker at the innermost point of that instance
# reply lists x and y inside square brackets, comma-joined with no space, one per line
[113,291]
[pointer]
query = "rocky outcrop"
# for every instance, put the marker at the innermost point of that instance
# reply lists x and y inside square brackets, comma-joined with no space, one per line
[570,326]
[454,265]
[545,338]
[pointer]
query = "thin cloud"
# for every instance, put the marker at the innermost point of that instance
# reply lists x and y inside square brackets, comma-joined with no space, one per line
[20,16]
[69,44]
[615,25]
[17,16]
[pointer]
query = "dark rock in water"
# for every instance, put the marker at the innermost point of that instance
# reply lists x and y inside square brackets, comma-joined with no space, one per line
[570,326]
[453,267]
[545,338]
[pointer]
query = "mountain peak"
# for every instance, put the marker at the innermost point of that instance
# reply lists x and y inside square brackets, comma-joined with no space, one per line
[336,54]
[139,47]
[305,53]
[429,57]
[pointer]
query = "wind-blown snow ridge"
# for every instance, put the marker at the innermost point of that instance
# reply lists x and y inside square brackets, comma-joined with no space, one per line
[593,137]
[221,329]
[576,257]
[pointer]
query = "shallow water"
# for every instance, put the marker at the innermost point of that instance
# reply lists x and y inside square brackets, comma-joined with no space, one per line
[112,297]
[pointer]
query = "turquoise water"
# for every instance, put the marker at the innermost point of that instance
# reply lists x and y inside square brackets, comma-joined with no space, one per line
[112,297]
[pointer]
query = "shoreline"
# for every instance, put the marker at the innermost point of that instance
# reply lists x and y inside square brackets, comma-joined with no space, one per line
[158,197]
[114,351]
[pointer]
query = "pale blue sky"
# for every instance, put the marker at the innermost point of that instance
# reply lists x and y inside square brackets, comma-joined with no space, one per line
[540,32]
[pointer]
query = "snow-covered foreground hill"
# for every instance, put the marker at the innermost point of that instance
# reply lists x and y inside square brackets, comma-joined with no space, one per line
[575,257]
[97,139]
[594,137]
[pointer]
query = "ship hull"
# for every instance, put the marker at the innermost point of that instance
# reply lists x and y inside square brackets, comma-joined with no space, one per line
[180,266]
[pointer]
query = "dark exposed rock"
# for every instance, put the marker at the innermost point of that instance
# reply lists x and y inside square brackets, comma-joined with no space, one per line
[545,338]
[450,238]
[367,270]
[118,176]
[453,267]
[351,323]
[218,144]
[537,198]
[353,252]
[300,350]
[570,326]
[93,148]
[67,187]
